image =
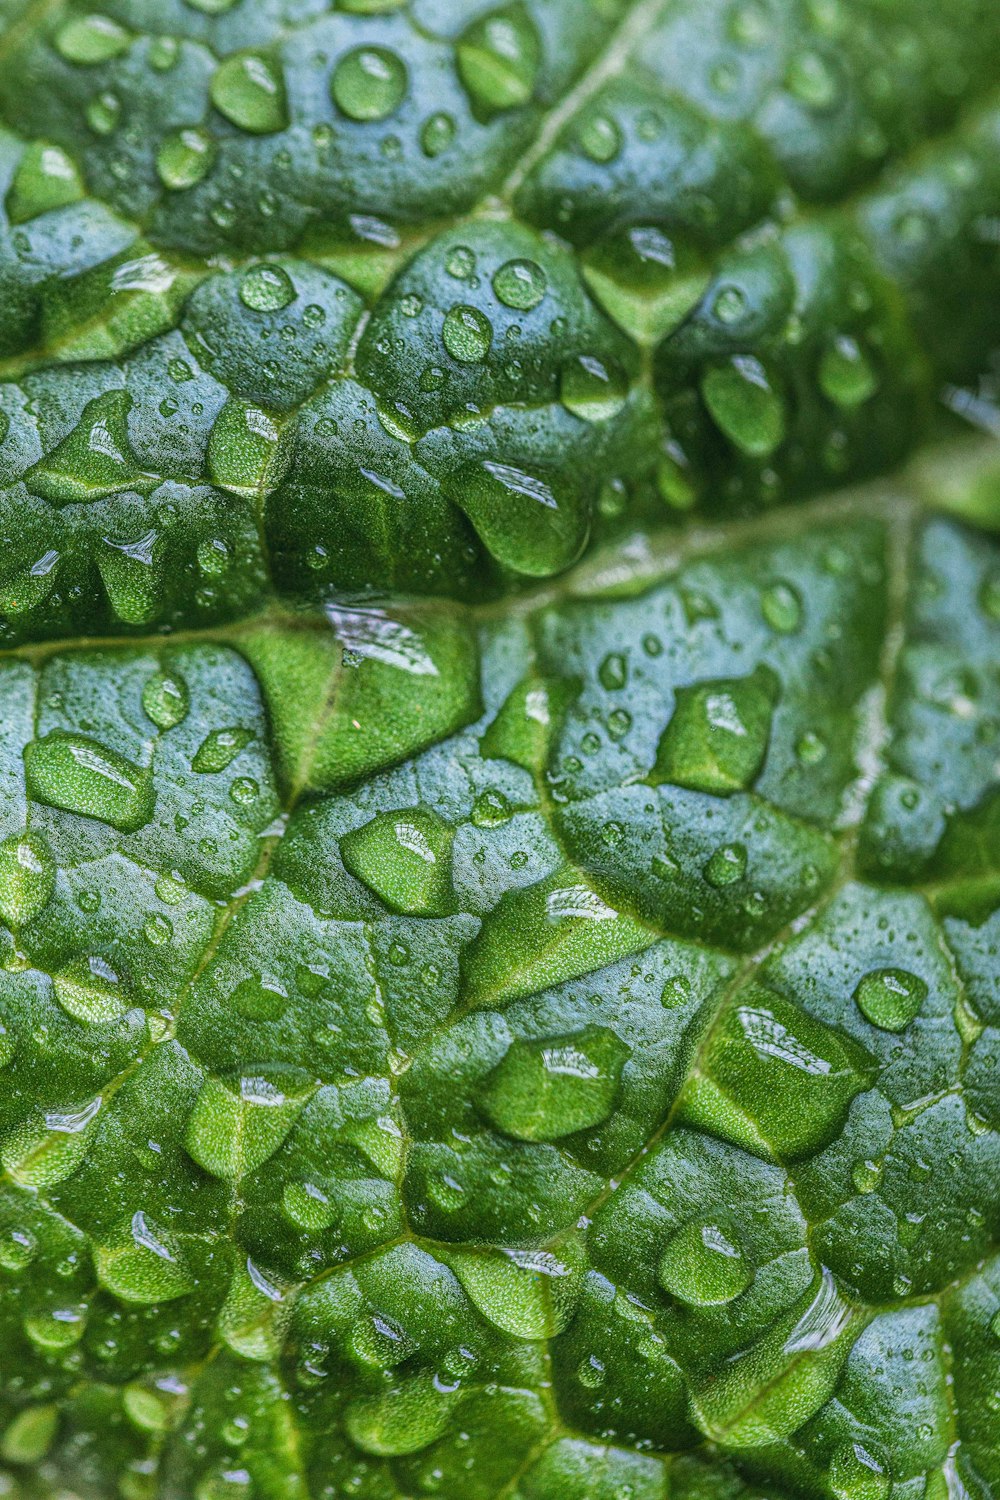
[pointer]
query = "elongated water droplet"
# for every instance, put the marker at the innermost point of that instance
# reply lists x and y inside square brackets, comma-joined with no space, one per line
[219,749]
[91,39]
[80,775]
[90,991]
[498,59]
[166,700]
[592,388]
[27,878]
[745,406]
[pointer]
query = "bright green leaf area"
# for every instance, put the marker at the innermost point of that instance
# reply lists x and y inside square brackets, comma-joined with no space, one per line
[499,888]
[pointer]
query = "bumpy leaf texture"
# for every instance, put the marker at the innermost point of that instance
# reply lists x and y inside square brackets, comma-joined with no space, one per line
[472,1027]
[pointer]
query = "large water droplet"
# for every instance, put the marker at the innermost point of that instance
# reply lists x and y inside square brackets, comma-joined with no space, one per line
[219,749]
[846,375]
[45,179]
[520,284]
[369,83]
[545,1088]
[27,878]
[91,39]
[266,288]
[703,1266]
[145,1268]
[498,59]
[593,389]
[718,735]
[890,998]
[90,991]
[166,700]
[405,858]
[185,157]
[249,90]
[745,405]
[467,334]
[80,775]
[95,459]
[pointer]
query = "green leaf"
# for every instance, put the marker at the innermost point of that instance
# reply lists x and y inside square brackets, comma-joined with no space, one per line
[499,883]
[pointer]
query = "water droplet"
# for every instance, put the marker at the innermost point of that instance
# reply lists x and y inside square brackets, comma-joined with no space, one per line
[103,113]
[91,39]
[846,375]
[165,700]
[259,999]
[467,334]
[781,606]
[498,59]
[308,1207]
[545,1088]
[80,775]
[369,83]
[600,138]
[727,866]
[437,134]
[745,405]
[703,1267]
[27,878]
[95,459]
[45,179]
[491,809]
[219,749]
[890,998]
[90,991]
[520,284]
[249,90]
[613,672]
[857,1474]
[866,1176]
[266,288]
[185,157]
[405,858]
[18,1248]
[730,305]
[592,388]
[144,1268]
[29,1435]
[812,80]
[718,734]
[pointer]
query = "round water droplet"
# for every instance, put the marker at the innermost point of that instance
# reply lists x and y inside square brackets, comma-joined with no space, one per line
[467,334]
[613,672]
[600,138]
[437,134]
[846,375]
[727,866]
[184,157]
[18,1248]
[520,284]
[813,81]
[266,288]
[249,89]
[890,998]
[730,305]
[704,1266]
[491,809]
[461,263]
[592,388]
[369,83]
[165,700]
[259,999]
[781,607]
[308,1206]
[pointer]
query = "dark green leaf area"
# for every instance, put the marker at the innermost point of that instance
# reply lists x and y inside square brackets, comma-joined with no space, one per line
[537,1055]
